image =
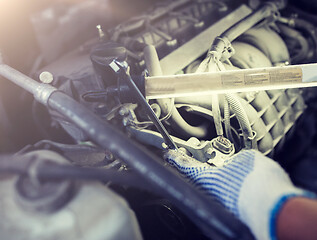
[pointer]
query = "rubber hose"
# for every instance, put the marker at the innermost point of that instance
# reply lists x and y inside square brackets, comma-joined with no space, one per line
[213,222]
[241,115]
[304,46]
[226,113]
[216,114]
[153,65]
[308,28]
[51,171]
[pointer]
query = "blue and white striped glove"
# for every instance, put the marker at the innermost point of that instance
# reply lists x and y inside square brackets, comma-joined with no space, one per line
[250,185]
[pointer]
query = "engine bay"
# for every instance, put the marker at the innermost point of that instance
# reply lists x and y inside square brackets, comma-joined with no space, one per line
[88,149]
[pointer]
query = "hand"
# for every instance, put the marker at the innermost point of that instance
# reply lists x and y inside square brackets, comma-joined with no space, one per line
[250,185]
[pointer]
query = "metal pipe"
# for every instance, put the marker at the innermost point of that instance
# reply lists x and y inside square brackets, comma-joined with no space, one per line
[153,65]
[19,79]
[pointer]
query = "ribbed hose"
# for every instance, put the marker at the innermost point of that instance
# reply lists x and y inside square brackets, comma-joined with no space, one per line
[179,124]
[226,116]
[216,114]
[242,118]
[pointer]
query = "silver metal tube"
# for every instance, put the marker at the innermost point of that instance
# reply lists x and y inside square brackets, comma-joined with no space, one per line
[18,78]
[40,91]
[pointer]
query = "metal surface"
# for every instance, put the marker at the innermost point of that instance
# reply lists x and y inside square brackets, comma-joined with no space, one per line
[40,91]
[203,151]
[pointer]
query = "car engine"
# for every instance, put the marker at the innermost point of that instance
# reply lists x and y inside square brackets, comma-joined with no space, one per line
[83,154]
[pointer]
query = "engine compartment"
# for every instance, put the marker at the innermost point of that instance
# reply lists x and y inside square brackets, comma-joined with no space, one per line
[162,38]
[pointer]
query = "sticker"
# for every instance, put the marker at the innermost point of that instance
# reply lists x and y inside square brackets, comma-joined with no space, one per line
[286,75]
[209,83]
[254,78]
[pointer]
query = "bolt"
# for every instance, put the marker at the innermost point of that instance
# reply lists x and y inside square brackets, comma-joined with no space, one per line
[123,111]
[100,32]
[210,153]
[108,155]
[125,122]
[172,43]
[164,146]
[199,24]
[46,77]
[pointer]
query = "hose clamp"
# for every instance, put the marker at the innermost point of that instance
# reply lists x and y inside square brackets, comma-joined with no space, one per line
[43,93]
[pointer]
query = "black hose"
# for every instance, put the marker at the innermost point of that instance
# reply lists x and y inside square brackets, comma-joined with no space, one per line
[212,218]
[308,28]
[303,44]
[208,215]
[51,171]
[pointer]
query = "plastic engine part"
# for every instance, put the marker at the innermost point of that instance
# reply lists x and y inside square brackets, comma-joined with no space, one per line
[272,115]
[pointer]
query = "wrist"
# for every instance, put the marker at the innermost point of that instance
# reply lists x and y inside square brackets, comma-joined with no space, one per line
[264,192]
[260,210]
[297,218]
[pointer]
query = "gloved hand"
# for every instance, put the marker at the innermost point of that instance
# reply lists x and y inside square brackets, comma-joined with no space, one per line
[250,185]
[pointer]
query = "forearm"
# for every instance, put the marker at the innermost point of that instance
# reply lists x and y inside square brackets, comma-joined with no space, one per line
[298,219]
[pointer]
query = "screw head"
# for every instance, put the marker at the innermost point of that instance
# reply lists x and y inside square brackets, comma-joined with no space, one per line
[46,77]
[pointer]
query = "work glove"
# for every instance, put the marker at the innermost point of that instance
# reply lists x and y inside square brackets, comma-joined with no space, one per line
[252,186]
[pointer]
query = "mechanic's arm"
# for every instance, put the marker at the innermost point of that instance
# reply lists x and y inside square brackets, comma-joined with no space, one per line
[298,219]
[257,190]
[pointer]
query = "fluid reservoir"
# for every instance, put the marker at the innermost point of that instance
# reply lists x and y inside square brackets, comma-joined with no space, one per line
[63,210]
